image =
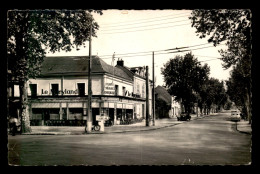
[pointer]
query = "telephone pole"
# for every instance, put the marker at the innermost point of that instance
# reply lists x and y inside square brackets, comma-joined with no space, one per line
[89,117]
[153,97]
[147,97]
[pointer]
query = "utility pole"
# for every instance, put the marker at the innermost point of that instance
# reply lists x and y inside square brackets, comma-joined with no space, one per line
[147,97]
[89,117]
[153,97]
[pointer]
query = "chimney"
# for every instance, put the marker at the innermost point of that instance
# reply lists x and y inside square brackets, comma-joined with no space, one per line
[120,62]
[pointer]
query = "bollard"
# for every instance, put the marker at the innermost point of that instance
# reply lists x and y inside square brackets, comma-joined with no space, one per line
[102,126]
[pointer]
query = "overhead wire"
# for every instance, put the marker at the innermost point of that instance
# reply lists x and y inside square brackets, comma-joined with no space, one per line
[143,26]
[176,48]
[137,23]
[146,53]
[145,29]
[179,51]
[148,19]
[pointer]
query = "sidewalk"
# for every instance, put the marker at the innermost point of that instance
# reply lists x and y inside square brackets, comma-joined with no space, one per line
[80,130]
[244,127]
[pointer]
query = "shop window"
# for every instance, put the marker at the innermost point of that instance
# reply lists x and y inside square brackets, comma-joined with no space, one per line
[54,114]
[33,88]
[75,113]
[55,89]
[36,114]
[76,110]
[81,89]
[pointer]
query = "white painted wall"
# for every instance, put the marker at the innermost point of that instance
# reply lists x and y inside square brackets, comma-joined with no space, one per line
[138,83]
[120,82]
[69,83]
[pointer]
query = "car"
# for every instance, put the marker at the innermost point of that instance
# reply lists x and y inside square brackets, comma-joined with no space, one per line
[184,117]
[235,116]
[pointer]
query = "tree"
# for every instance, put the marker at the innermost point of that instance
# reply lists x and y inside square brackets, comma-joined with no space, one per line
[31,33]
[183,77]
[232,26]
[213,93]
[236,88]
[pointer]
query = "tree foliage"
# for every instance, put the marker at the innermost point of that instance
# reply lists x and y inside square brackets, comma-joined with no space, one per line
[212,93]
[232,26]
[237,88]
[184,77]
[30,33]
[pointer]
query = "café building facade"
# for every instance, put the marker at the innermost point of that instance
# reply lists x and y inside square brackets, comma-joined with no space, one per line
[60,92]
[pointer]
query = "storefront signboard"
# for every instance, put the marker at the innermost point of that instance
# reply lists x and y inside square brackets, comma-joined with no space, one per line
[66,91]
[100,118]
[109,89]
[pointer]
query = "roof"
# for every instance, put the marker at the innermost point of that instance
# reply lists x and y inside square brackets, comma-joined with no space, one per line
[163,94]
[78,65]
[129,72]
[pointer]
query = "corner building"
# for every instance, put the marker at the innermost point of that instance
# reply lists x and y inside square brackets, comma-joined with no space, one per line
[59,95]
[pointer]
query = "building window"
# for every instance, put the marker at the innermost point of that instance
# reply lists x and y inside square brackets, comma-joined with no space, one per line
[138,88]
[81,89]
[55,89]
[123,91]
[33,88]
[143,91]
[16,91]
[116,90]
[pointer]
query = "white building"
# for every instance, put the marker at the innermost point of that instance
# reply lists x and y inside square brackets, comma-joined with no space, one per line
[175,108]
[60,93]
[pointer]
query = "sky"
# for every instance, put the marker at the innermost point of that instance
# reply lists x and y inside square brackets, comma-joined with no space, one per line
[144,31]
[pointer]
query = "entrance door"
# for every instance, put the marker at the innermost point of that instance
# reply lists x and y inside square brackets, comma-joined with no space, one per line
[111,114]
[46,116]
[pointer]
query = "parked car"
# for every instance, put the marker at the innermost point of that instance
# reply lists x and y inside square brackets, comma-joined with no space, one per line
[184,117]
[235,116]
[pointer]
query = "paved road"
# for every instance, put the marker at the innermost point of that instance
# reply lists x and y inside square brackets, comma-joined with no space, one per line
[209,141]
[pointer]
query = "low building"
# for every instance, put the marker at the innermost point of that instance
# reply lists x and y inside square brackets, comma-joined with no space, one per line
[165,104]
[60,93]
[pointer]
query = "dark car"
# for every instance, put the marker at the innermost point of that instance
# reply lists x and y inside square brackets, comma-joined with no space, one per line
[184,117]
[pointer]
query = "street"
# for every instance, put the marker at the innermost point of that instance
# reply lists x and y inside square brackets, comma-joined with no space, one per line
[211,140]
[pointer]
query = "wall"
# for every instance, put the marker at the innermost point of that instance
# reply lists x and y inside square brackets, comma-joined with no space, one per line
[69,85]
[141,83]
[120,82]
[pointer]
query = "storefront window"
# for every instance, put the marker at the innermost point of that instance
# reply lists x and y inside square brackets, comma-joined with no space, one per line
[104,112]
[75,113]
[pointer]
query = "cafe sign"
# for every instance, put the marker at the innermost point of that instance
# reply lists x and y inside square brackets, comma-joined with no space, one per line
[109,89]
[46,92]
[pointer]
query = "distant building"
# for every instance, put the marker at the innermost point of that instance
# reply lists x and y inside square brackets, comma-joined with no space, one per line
[175,108]
[165,105]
